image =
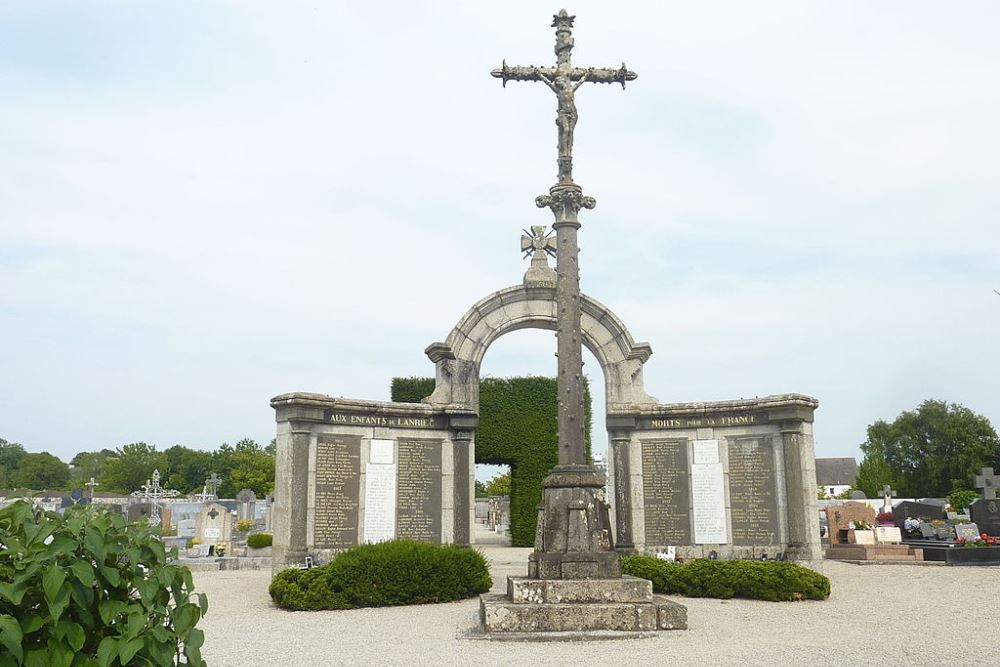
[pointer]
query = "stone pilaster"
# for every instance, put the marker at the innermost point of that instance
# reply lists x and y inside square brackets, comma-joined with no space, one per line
[291,495]
[620,436]
[800,488]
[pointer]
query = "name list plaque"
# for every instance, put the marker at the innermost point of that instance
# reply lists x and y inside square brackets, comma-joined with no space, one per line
[418,504]
[753,504]
[380,491]
[708,495]
[665,492]
[338,481]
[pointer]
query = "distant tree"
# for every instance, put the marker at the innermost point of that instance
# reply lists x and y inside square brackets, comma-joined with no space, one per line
[272,447]
[499,485]
[132,467]
[185,469]
[934,449]
[41,471]
[88,464]
[873,474]
[252,468]
[481,489]
[10,456]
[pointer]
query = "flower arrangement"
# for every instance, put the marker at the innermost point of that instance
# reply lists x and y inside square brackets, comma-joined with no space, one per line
[983,540]
[911,526]
[244,526]
[886,519]
[861,524]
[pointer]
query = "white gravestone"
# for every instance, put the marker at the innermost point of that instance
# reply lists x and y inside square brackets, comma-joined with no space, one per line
[708,494]
[380,491]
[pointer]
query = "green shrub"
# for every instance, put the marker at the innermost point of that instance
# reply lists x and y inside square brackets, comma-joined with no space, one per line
[244,525]
[754,579]
[398,572]
[78,589]
[960,499]
[259,540]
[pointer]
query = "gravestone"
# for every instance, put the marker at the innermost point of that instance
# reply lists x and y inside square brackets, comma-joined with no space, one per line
[214,525]
[858,494]
[269,503]
[138,511]
[986,514]
[246,499]
[887,493]
[186,528]
[909,509]
[840,517]
[969,531]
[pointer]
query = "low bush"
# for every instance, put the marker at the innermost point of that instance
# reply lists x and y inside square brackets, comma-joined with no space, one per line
[78,589]
[259,540]
[244,525]
[755,579]
[398,572]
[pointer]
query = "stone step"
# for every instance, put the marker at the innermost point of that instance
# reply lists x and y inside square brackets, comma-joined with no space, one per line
[500,615]
[623,589]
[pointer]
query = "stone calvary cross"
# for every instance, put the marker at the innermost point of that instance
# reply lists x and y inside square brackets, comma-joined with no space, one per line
[988,482]
[565,199]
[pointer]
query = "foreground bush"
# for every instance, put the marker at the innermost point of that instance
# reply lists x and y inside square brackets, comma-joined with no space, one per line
[77,589]
[399,572]
[754,579]
[259,540]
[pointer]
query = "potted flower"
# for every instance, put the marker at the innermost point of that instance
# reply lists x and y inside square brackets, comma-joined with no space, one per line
[192,548]
[912,527]
[983,540]
[862,532]
[886,519]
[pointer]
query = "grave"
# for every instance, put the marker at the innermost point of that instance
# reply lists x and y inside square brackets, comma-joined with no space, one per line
[985,511]
[213,527]
[844,544]
[246,499]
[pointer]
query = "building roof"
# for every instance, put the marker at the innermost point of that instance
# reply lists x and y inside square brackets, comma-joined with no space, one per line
[836,471]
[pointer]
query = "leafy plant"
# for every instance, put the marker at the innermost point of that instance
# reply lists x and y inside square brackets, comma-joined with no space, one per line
[755,579]
[960,499]
[220,550]
[861,524]
[244,526]
[78,589]
[398,572]
[259,540]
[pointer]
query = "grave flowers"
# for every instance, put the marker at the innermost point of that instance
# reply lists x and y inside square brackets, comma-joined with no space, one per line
[983,540]
[912,527]
[886,519]
[862,532]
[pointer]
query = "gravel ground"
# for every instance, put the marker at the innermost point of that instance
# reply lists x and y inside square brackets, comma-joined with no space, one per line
[877,615]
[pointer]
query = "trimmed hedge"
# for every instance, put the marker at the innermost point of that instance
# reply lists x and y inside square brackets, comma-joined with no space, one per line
[754,579]
[259,540]
[398,572]
[518,428]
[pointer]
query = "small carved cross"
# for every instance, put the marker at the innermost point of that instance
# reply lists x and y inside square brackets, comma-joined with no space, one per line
[887,494]
[92,484]
[213,513]
[537,240]
[988,482]
[212,483]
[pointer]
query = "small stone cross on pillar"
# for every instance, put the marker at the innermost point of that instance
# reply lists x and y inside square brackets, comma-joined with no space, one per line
[539,246]
[988,483]
[92,484]
[887,494]
[212,484]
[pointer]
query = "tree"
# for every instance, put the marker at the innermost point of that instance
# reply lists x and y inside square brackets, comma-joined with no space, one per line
[873,474]
[10,456]
[252,468]
[41,471]
[186,469]
[499,485]
[934,449]
[88,464]
[132,467]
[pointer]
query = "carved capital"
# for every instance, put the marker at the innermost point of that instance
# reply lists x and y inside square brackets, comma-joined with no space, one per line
[565,201]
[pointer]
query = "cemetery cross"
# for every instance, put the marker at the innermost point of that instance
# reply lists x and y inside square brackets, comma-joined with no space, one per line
[887,493]
[565,199]
[92,484]
[988,482]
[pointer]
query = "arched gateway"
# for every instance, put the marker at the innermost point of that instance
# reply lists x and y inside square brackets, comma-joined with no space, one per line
[734,477]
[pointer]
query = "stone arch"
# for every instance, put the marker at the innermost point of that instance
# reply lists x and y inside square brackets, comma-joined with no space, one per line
[457,360]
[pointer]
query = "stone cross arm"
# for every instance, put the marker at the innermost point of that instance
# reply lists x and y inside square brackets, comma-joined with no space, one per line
[591,74]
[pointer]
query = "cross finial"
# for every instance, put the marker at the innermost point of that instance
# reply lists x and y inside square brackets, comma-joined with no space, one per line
[539,245]
[92,484]
[988,482]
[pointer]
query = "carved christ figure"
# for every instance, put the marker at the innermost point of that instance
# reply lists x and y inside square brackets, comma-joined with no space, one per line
[566,114]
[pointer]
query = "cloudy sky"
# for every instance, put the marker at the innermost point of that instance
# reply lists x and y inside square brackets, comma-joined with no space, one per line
[203,205]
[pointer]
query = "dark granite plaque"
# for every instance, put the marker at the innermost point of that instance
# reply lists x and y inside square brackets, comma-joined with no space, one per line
[986,514]
[752,497]
[418,494]
[665,484]
[461,498]
[338,484]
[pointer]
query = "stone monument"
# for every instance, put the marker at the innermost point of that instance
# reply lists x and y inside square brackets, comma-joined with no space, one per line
[574,581]
[985,511]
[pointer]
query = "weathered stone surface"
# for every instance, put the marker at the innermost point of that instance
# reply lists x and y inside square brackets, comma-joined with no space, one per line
[622,589]
[670,615]
[501,615]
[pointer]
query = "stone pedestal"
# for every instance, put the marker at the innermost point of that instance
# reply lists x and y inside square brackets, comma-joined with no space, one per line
[622,604]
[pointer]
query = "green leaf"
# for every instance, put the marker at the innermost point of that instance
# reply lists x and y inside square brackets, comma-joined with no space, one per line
[192,646]
[52,581]
[31,623]
[203,603]
[110,609]
[37,658]
[106,651]
[10,635]
[147,590]
[184,617]
[128,649]
[62,545]
[72,632]
[94,543]
[83,571]
[12,592]
[59,654]
[134,625]
[112,575]
[59,604]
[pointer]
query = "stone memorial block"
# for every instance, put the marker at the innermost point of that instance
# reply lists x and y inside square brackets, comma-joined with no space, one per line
[969,531]
[928,531]
[186,528]
[246,499]
[380,491]
[418,509]
[888,535]
[840,518]
[214,525]
[909,509]
[708,494]
[986,514]
[752,494]
[665,486]
[337,488]
[137,511]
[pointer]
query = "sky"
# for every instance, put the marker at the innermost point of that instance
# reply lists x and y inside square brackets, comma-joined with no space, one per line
[203,205]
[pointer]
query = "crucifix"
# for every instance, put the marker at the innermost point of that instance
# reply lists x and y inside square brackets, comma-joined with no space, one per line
[887,494]
[92,484]
[212,484]
[565,199]
[988,482]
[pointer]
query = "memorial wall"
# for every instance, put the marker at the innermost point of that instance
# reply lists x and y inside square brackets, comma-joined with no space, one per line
[354,472]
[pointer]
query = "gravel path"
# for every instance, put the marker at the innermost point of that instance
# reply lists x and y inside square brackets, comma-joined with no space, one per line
[877,615]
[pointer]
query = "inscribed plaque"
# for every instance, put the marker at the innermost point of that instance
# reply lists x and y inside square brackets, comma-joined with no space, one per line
[705,451]
[380,491]
[665,492]
[752,497]
[709,503]
[338,484]
[418,502]
[381,451]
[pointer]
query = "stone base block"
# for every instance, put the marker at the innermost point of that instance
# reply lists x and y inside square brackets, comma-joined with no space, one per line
[623,589]
[873,552]
[500,615]
[574,565]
